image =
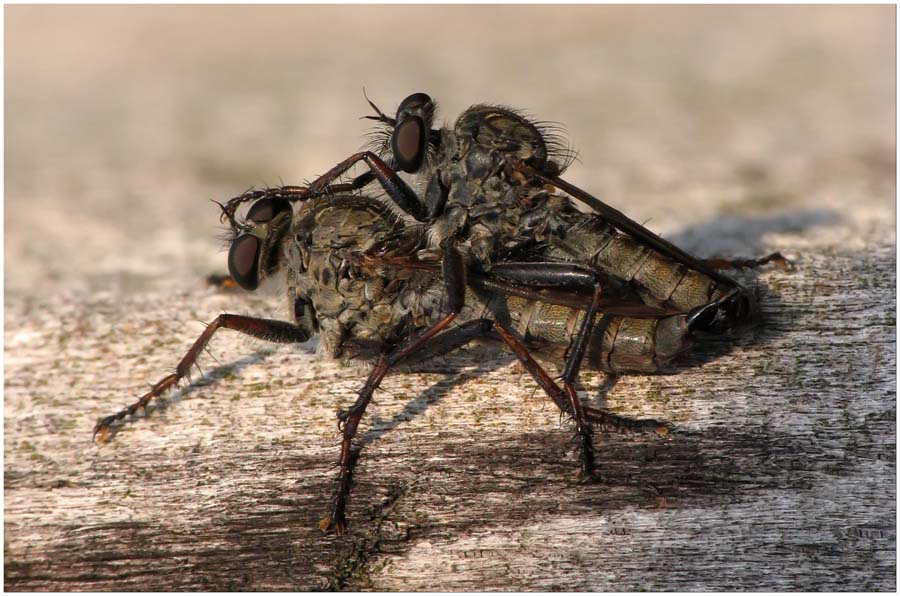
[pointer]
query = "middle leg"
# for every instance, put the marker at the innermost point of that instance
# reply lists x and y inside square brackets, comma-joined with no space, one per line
[348,421]
[569,277]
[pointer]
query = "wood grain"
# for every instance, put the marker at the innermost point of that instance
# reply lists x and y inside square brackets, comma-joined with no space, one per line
[781,470]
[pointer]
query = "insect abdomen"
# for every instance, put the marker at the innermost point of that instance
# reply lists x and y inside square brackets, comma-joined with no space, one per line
[618,343]
[659,280]
[637,344]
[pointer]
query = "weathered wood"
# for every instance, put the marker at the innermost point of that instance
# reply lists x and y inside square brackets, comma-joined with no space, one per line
[780,474]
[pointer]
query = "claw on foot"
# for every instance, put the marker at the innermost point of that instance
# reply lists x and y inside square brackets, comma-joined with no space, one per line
[781,262]
[326,524]
[588,477]
[101,433]
[103,429]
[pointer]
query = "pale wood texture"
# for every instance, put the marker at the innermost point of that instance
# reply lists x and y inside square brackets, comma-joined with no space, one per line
[733,136]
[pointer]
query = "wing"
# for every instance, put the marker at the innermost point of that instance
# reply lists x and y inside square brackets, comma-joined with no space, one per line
[614,303]
[623,223]
[611,305]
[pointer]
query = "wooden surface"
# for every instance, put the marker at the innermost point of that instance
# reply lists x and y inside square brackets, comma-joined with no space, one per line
[780,473]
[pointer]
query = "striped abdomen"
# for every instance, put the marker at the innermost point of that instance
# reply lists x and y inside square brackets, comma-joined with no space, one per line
[618,343]
[658,279]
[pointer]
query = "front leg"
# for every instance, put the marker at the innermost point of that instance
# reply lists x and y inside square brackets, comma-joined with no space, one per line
[290,193]
[267,329]
[393,185]
[399,191]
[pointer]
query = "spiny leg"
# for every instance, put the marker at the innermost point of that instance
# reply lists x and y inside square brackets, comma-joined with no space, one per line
[267,329]
[528,279]
[455,287]
[336,518]
[571,277]
[393,185]
[291,193]
[349,422]
[573,364]
[616,422]
[777,258]
[563,399]
[610,421]
[398,190]
[436,341]
[452,339]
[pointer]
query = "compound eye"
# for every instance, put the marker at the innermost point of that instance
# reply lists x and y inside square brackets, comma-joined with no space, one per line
[267,209]
[408,144]
[413,102]
[243,261]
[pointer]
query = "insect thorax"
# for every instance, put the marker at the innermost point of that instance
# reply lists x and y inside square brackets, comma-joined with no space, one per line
[359,302]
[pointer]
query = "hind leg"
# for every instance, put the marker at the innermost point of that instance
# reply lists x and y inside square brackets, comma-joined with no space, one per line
[775,258]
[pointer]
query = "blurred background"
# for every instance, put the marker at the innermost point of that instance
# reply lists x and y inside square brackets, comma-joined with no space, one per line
[731,130]
[123,121]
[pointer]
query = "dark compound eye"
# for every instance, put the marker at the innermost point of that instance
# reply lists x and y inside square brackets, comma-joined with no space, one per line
[414,101]
[243,261]
[265,210]
[408,144]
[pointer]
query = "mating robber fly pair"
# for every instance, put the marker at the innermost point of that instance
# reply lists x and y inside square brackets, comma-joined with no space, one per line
[492,248]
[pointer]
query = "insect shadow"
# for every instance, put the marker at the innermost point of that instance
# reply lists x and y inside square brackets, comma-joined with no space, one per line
[730,234]
[440,389]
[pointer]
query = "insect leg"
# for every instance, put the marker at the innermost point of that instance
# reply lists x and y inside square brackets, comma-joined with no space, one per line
[291,193]
[349,422]
[267,329]
[439,340]
[455,285]
[393,185]
[448,341]
[566,276]
[402,195]
[776,257]
[567,402]
[455,338]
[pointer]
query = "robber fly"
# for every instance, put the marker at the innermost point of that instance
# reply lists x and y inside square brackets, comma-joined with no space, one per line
[491,205]
[490,186]
[358,274]
[490,250]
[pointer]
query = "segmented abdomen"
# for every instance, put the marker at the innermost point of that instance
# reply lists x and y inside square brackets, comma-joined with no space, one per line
[618,343]
[658,279]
